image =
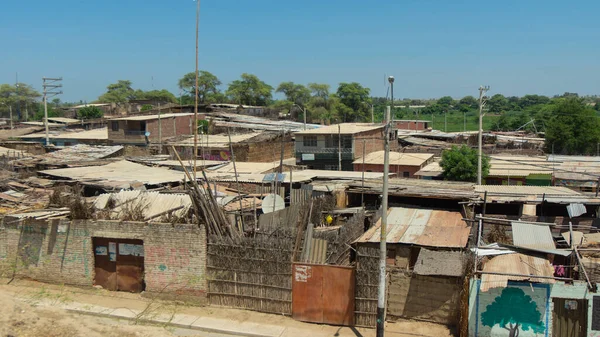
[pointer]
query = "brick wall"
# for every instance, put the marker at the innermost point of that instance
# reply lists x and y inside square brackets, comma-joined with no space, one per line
[62,252]
[429,298]
[373,142]
[171,127]
[397,169]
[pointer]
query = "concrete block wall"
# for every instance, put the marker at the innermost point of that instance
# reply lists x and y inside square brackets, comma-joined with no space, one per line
[62,252]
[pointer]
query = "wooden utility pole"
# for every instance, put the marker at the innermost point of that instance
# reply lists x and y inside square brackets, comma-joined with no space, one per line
[196,90]
[339,146]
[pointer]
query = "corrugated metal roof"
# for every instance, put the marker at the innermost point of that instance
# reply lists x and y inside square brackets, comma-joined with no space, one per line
[436,262]
[94,134]
[431,170]
[344,129]
[120,171]
[525,190]
[153,203]
[515,264]
[217,141]
[424,227]
[244,167]
[63,120]
[531,235]
[396,158]
[83,152]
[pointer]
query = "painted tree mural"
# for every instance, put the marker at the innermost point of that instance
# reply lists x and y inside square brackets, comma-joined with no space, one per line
[513,311]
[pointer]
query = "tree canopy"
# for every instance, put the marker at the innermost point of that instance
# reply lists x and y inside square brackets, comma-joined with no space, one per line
[208,86]
[250,90]
[355,99]
[90,112]
[120,92]
[513,310]
[574,128]
[460,164]
[295,93]
[163,95]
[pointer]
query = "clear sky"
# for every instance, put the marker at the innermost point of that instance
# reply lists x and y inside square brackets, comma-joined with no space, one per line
[433,48]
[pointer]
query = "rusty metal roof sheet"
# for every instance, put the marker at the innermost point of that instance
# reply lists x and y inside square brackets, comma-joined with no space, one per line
[440,262]
[532,235]
[424,227]
[515,264]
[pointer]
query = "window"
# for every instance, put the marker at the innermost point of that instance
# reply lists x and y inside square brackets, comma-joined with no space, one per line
[406,174]
[331,141]
[309,141]
[114,126]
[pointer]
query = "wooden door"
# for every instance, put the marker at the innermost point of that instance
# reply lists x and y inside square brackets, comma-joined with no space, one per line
[106,270]
[569,318]
[119,264]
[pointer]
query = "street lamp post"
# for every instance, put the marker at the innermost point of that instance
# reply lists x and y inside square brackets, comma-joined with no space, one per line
[303,112]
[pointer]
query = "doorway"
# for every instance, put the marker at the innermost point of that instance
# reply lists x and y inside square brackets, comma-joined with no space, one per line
[119,264]
[569,317]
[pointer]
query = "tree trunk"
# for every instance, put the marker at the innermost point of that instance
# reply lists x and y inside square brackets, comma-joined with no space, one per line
[514,331]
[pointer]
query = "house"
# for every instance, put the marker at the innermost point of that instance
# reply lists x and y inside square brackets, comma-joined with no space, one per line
[519,170]
[416,125]
[425,262]
[403,164]
[247,147]
[323,148]
[147,129]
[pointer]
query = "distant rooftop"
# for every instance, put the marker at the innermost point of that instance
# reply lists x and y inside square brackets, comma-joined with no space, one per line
[151,117]
[343,128]
[96,134]
[396,158]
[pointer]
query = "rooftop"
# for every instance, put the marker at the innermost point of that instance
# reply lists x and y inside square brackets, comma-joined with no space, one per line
[518,264]
[423,227]
[64,120]
[151,117]
[94,134]
[216,141]
[431,170]
[343,128]
[396,158]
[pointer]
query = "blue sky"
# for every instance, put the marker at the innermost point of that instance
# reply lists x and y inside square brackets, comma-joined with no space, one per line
[433,48]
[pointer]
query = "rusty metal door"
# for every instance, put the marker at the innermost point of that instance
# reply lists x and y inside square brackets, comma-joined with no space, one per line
[569,318]
[119,264]
[323,294]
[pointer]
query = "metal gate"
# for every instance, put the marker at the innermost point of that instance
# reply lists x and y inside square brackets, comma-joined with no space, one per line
[119,264]
[323,294]
[569,318]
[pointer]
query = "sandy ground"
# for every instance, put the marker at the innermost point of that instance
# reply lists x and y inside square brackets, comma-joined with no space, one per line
[24,312]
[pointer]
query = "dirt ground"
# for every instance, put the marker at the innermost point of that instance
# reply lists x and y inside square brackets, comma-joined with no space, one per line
[29,308]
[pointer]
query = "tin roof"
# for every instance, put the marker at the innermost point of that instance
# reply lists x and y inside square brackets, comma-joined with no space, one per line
[216,141]
[243,167]
[83,152]
[94,134]
[153,203]
[532,235]
[440,262]
[396,158]
[515,264]
[431,170]
[344,129]
[423,227]
[64,120]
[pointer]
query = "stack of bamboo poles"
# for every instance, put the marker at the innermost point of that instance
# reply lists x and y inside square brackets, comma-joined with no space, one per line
[205,205]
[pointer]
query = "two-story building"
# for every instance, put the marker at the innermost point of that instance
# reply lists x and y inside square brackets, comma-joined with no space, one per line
[149,129]
[321,148]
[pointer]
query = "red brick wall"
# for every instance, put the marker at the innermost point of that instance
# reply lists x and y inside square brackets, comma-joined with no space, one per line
[171,127]
[63,252]
[373,142]
[411,125]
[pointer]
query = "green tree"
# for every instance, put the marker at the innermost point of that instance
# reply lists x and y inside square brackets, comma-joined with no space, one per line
[163,95]
[208,86]
[52,112]
[445,103]
[250,90]
[529,100]
[513,310]
[296,93]
[467,103]
[353,97]
[460,164]
[573,129]
[497,103]
[90,112]
[120,93]
[319,90]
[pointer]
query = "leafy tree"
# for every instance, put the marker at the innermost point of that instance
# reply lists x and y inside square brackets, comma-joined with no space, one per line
[573,129]
[147,107]
[120,92]
[497,103]
[319,90]
[513,310]
[460,164]
[296,93]
[353,97]
[208,86]
[445,102]
[529,100]
[52,112]
[90,112]
[250,90]
[467,103]
[18,96]
[163,95]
